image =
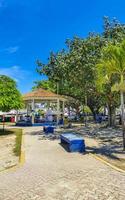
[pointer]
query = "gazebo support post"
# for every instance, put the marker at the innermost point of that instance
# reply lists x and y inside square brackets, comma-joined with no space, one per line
[16,117]
[33,106]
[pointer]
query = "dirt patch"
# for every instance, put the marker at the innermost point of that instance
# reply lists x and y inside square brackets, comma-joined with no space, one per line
[7,157]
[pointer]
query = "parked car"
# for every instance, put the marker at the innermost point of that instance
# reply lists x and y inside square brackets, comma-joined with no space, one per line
[24,123]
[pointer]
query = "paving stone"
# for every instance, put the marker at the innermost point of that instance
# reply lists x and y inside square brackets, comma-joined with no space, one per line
[52,173]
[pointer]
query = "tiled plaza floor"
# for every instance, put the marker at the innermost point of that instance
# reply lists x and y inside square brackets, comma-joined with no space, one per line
[51,173]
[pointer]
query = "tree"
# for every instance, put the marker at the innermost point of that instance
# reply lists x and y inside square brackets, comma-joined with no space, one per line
[54,69]
[114,31]
[104,85]
[112,66]
[10,97]
[45,84]
[74,69]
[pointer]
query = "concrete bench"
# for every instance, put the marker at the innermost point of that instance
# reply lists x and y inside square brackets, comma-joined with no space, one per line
[75,142]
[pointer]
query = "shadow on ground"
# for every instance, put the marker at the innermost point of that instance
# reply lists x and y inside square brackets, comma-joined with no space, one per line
[109,140]
[5,132]
[101,151]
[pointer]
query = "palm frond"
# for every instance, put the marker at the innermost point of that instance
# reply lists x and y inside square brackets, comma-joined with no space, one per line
[118,87]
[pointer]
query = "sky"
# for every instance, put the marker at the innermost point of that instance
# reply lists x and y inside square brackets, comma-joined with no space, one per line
[31,29]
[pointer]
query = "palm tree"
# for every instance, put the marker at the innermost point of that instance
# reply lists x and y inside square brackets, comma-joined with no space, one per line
[112,66]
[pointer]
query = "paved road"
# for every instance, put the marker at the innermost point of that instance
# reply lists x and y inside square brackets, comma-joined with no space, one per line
[50,173]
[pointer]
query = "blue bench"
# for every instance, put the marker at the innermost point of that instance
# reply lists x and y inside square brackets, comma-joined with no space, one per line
[48,129]
[75,142]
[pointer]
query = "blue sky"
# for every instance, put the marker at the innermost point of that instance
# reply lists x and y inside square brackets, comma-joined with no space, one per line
[30,29]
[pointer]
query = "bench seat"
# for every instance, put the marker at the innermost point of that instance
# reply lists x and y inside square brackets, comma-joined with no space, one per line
[75,142]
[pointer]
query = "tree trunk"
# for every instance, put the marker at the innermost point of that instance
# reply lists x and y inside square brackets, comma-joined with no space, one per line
[94,111]
[105,110]
[111,116]
[3,123]
[57,87]
[123,118]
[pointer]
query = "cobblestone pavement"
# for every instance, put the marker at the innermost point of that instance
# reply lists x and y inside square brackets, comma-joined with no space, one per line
[52,173]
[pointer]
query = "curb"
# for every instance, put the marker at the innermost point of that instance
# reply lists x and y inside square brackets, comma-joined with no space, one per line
[107,163]
[21,159]
[22,154]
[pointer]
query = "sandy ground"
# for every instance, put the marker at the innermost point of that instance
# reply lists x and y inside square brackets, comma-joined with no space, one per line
[7,157]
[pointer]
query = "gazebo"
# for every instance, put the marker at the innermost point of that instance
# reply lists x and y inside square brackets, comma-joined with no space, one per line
[41,96]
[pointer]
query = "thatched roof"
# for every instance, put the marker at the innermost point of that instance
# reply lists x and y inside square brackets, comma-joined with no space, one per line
[42,94]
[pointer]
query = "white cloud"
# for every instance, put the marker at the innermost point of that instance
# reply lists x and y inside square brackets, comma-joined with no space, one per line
[12,49]
[15,72]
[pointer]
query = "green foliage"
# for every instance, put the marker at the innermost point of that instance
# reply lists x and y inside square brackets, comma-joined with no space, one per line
[10,97]
[114,31]
[87,110]
[45,84]
[111,71]
[74,69]
[112,66]
[41,112]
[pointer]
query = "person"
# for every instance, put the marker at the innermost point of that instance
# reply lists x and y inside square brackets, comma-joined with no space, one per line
[50,118]
[61,121]
[66,120]
[98,118]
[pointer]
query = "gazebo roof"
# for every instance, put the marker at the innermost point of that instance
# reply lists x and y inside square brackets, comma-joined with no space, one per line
[42,94]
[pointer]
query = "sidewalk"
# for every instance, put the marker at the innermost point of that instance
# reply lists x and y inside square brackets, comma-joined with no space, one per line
[51,173]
